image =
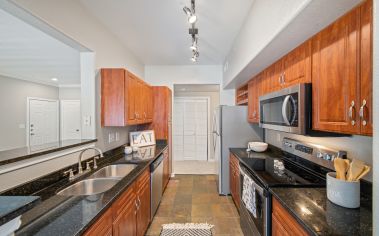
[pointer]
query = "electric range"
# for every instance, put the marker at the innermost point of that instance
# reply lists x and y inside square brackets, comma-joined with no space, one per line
[296,165]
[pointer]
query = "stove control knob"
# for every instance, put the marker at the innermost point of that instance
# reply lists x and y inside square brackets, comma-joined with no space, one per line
[327,157]
[319,155]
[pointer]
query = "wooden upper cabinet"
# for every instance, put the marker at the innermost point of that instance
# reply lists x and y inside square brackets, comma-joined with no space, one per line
[297,66]
[366,12]
[251,102]
[335,76]
[125,99]
[274,75]
[112,97]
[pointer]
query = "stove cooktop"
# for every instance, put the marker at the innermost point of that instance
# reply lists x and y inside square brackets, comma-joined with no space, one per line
[298,164]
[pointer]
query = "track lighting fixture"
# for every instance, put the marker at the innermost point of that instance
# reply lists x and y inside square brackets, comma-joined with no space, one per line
[190,12]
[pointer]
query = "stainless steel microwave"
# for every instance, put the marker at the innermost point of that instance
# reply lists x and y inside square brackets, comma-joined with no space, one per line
[287,110]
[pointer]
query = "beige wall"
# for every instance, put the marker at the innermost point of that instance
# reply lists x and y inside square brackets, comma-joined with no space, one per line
[72,19]
[13,95]
[214,102]
[69,93]
[359,147]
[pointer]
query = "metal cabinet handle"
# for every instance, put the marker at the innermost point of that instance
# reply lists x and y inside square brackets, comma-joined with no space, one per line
[145,115]
[139,202]
[362,112]
[135,203]
[280,79]
[284,78]
[351,108]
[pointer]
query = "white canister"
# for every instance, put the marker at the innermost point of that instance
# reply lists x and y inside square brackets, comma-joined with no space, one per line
[128,150]
[135,149]
[343,193]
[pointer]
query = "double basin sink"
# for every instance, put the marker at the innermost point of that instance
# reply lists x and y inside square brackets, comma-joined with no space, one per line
[99,182]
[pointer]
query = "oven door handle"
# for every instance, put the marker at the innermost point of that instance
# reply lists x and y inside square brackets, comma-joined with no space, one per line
[284,109]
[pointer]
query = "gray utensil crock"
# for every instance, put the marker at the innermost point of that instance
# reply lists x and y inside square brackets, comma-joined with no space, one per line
[341,192]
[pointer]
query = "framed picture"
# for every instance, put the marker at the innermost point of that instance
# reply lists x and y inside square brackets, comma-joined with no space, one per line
[142,138]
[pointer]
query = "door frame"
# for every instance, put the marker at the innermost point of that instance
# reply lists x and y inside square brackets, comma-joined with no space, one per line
[28,99]
[208,99]
[61,114]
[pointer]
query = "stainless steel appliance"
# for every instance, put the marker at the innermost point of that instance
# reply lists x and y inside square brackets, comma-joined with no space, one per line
[231,129]
[287,110]
[296,165]
[156,172]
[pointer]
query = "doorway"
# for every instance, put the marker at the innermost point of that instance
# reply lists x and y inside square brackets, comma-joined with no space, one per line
[192,144]
[70,119]
[42,121]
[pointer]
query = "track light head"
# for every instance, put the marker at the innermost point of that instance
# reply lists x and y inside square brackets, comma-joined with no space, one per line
[195,56]
[192,18]
[194,44]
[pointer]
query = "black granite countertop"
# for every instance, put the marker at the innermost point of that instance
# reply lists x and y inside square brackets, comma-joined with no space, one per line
[311,208]
[13,206]
[19,154]
[73,215]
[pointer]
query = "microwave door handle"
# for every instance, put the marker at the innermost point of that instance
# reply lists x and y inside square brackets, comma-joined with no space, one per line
[284,109]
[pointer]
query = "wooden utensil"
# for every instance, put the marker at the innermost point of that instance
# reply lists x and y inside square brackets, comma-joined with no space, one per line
[356,169]
[341,166]
[364,172]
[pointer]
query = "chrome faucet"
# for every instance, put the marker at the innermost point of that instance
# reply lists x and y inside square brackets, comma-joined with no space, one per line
[80,168]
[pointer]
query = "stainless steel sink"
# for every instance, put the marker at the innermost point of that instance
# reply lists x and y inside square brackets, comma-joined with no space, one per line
[114,171]
[89,186]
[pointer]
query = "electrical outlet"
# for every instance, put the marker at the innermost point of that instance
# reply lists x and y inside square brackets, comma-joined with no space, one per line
[111,137]
[278,139]
[117,136]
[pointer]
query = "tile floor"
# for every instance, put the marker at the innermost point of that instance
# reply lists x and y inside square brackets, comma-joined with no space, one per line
[194,198]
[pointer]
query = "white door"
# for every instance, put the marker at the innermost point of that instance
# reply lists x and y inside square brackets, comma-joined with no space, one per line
[43,121]
[190,129]
[70,119]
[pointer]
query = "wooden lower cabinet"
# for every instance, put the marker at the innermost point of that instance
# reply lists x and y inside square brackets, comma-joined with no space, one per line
[103,226]
[283,223]
[234,180]
[166,169]
[129,214]
[143,202]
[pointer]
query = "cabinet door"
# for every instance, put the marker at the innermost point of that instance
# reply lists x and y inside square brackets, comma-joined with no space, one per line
[334,76]
[131,91]
[275,73]
[102,227]
[143,198]
[297,65]
[150,104]
[251,100]
[277,228]
[112,97]
[366,68]
[140,102]
[125,223]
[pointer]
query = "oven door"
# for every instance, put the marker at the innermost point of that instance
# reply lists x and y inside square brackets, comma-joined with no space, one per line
[284,110]
[260,224]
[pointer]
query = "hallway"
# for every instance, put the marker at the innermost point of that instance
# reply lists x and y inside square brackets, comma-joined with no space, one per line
[194,198]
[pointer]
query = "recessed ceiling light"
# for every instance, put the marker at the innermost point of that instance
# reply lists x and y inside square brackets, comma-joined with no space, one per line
[54,79]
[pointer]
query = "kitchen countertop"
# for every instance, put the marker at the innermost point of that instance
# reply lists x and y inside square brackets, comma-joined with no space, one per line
[13,206]
[311,208]
[73,215]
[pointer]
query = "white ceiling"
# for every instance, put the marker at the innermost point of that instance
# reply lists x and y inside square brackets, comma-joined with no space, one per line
[157,31]
[29,54]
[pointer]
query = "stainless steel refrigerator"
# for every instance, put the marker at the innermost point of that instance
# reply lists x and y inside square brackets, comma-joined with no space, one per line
[231,130]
